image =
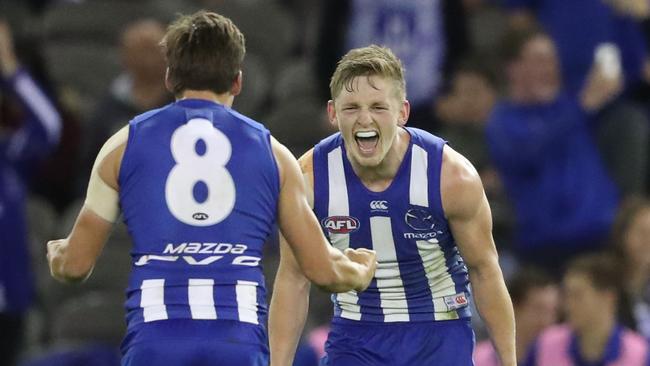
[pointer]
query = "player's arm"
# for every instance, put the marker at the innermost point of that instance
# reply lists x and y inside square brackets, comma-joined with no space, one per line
[322,264]
[73,258]
[290,300]
[470,220]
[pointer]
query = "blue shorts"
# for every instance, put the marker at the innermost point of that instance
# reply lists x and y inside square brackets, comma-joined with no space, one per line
[442,343]
[177,342]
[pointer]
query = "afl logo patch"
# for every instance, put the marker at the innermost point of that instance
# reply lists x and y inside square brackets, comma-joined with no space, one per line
[200,216]
[340,224]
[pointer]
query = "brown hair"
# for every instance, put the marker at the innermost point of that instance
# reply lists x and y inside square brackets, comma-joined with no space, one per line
[628,211]
[525,281]
[368,61]
[602,269]
[204,51]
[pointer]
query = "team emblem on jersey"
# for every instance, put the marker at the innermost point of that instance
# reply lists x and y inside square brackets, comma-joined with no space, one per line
[341,224]
[419,219]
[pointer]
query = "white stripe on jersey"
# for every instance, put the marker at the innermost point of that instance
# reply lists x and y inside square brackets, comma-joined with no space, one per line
[389,282]
[200,294]
[152,300]
[440,281]
[419,185]
[338,206]
[247,301]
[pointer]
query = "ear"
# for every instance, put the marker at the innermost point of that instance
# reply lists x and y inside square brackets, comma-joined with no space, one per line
[236,84]
[168,83]
[404,113]
[331,113]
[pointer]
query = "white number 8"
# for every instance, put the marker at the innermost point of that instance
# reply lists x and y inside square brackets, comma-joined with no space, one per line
[191,168]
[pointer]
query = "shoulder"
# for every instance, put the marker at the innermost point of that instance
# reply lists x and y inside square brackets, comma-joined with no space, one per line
[306,162]
[247,121]
[460,184]
[148,115]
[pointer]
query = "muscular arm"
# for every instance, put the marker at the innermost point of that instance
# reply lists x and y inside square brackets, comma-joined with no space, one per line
[290,301]
[73,258]
[468,213]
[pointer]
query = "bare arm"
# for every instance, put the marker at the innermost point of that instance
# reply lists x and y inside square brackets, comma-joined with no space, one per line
[73,258]
[327,267]
[289,307]
[470,220]
[290,301]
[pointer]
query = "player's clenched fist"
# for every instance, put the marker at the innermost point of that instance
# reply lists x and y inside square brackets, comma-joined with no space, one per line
[368,259]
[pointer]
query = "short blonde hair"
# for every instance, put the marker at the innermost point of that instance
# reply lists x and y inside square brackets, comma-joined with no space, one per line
[368,61]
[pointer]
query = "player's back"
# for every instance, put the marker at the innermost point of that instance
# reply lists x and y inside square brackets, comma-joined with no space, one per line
[198,190]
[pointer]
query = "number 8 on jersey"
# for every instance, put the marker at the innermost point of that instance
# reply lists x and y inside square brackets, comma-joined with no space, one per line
[192,168]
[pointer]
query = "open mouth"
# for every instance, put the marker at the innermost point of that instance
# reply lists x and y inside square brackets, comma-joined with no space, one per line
[367,141]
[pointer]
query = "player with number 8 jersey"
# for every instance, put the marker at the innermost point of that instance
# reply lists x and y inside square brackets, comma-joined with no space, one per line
[199,187]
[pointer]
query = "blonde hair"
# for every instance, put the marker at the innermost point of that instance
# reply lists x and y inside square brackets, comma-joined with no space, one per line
[368,61]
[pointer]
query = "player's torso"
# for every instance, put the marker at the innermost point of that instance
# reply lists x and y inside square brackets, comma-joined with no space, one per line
[420,276]
[198,191]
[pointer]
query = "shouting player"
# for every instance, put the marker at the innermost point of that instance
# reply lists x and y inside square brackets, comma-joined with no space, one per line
[421,206]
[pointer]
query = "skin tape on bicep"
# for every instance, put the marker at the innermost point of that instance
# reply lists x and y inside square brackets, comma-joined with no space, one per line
[101,198]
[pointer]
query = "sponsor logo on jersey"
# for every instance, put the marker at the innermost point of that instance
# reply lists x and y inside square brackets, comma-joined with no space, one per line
[419,219]
[205,248]
[179,252]
[456,301]
[379,205]
[422,236]
[341,224]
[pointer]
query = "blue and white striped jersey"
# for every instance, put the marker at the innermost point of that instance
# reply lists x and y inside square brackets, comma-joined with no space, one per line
[199,187]
[420,275]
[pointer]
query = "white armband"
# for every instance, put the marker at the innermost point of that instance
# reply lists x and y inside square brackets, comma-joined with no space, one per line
[101,198]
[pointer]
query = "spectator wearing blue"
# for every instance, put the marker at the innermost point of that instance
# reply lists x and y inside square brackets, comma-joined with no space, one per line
[579,29]
[25,138]
[540,141]
[579,26]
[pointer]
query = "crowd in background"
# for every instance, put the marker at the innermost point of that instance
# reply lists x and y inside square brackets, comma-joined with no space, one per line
[549,99]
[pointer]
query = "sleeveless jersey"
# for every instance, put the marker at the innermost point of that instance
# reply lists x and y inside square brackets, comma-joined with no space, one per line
[198,190]
[420,274]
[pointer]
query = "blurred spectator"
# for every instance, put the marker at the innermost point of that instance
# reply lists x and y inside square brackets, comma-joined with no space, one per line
[592,334]
[536,301]
[139,88]
[540,141]
[29,128]
[579,26]
[464,110]
[429,36]
[631,241]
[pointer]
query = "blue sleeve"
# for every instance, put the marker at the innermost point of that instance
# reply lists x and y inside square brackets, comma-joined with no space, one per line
[40,130]
[518,138]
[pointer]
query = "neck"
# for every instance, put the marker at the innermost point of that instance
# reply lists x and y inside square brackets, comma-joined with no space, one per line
[378,178]
[224,98]
[592,341]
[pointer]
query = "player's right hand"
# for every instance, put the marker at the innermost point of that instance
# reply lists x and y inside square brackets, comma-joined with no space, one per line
[368,260]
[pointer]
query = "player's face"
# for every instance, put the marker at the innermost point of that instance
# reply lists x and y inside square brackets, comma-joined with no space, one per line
[368,117]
